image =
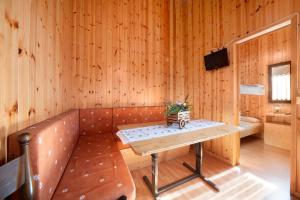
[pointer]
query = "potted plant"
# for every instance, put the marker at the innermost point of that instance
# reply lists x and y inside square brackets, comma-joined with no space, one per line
[179,113]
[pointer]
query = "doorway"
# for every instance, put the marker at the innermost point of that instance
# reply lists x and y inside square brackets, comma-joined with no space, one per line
[271,125]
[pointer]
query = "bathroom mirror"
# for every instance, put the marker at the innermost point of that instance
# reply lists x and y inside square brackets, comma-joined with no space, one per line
[280,82]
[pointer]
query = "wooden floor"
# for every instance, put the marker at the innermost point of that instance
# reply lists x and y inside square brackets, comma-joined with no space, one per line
[263,174]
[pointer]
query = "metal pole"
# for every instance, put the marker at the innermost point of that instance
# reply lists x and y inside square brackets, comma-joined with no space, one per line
[24,140]
[199,155]
[154,174]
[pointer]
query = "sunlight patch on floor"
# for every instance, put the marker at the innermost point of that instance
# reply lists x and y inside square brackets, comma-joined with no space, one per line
[187,189]
[244,186]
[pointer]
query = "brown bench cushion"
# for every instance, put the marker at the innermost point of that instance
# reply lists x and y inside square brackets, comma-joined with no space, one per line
[95,121]
[105,120]
[96,171]
[135,115]
[51,146]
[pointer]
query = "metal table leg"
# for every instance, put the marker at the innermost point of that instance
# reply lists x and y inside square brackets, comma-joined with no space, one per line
[198,170]
[153,186]
[197,173]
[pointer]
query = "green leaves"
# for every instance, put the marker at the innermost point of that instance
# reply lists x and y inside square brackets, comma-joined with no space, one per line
[176,108]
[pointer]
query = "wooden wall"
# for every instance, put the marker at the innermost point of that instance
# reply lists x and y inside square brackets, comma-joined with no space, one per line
[35,62]
[120,53]
[254,57]
[198,26]
[133,53]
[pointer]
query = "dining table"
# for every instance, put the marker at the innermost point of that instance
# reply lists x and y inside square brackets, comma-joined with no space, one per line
[153,138]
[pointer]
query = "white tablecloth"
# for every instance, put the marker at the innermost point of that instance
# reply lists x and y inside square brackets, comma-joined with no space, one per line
[150,132]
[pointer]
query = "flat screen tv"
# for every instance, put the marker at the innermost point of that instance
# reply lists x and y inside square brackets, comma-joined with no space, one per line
[216,59]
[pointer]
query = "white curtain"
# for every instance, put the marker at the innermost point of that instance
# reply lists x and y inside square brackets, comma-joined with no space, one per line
[281,87]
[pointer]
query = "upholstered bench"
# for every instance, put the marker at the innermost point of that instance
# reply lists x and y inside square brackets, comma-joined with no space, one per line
[67,165]
[96,170]
[103,120]
[77,155]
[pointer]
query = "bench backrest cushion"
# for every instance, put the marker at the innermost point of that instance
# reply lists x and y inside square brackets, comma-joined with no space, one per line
[105,120]
[136,115]
[95,121]
[50,148]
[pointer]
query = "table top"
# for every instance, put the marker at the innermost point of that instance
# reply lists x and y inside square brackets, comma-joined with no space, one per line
[161,144]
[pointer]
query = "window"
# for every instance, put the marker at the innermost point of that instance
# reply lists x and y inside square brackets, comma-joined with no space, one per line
[281,87]
[280,83]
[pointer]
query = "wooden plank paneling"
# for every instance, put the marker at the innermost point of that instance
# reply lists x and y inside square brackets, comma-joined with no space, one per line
[221,23]
[198,29]
[130,43]
[35,56]
[131,72]
[139,73]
